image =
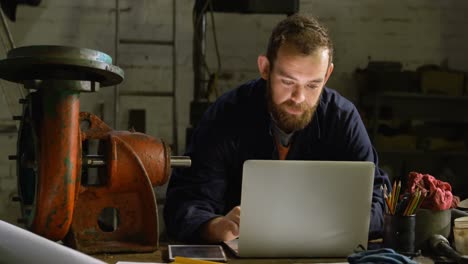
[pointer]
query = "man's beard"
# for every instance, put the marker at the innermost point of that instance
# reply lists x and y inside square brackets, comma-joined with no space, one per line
[286,121]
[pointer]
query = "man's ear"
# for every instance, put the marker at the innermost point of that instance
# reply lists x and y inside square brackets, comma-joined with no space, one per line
[329,71]
[263,66]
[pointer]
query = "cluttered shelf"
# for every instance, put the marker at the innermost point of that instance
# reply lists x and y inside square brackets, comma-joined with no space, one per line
[415,106]
[431,92]
[417,124]
[417,119]
[407,140]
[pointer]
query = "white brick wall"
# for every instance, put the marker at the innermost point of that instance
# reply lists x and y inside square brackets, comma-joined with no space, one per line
[9,210]
[413,32]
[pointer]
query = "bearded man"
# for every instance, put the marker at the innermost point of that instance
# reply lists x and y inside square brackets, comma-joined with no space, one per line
[288,113]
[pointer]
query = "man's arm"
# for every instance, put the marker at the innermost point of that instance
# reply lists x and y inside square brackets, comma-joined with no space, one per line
[378,204]
[359,147]
[196,195]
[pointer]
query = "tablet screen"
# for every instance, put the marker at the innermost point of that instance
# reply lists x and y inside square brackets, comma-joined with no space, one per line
[204,252]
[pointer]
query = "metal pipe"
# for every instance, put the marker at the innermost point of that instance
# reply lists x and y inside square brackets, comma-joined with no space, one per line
[175,130]
[199,54]
[116,62]
[7,31]
[59,161]
[180,161]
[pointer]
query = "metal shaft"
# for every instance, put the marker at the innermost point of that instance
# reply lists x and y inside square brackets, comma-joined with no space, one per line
[94,161]
[180,161]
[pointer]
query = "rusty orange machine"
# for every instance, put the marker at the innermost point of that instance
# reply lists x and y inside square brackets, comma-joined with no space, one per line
[57,199]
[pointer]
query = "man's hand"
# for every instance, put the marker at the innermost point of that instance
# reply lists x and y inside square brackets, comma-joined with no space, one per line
[223,228]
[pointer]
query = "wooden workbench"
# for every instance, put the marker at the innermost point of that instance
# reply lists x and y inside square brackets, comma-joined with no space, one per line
[161,256]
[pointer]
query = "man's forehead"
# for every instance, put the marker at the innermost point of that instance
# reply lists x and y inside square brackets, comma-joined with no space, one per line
[284,73]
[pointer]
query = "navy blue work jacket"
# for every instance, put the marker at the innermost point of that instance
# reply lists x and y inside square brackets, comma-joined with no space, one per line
[237,128]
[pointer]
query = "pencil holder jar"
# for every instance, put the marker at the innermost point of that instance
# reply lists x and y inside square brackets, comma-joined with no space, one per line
[428,223]
[399,233]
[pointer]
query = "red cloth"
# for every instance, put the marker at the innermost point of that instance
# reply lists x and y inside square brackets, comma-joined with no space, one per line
[439,193]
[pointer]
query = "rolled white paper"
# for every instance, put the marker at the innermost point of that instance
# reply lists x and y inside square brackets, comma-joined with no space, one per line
[18,245]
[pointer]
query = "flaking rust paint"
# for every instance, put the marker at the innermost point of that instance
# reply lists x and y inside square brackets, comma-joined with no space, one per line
[129,190]
[65,221]
[50,218]
[56,97]
[69,184]
[68,176]
[59,152]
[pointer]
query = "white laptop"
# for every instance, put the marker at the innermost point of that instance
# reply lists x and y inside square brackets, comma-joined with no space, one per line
[304,208]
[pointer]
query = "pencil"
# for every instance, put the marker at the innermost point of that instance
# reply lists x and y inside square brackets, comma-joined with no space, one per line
[387,199]
[393,195]
[421,200]
[418,198]
[414,201]
[410,204]
[388,204]
[390,197]
[383,195]
[397,196]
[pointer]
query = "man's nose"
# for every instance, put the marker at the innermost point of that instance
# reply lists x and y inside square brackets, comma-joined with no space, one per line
[298,95]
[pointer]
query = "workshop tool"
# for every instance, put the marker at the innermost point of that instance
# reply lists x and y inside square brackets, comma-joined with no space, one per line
[53,159]
[441,247]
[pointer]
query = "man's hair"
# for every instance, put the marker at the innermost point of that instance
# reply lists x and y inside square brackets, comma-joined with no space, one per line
[304,33]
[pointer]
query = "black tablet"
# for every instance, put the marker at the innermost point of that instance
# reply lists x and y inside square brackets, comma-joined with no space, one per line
[203,252]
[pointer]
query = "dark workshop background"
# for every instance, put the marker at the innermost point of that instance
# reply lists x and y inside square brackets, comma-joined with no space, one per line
[402,62]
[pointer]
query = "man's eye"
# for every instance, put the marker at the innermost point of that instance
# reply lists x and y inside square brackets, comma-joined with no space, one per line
[286,82]
[312,86]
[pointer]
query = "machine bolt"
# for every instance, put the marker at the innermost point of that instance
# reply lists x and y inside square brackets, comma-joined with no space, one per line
[94,161]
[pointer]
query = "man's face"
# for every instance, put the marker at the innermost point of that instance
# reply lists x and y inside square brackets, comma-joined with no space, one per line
[295,84]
